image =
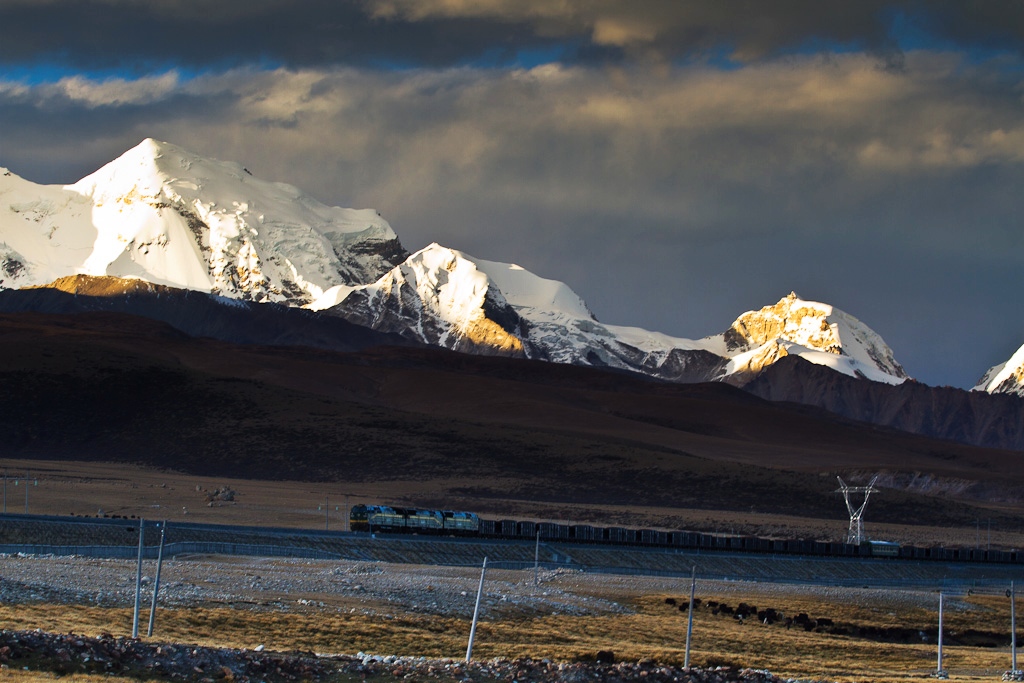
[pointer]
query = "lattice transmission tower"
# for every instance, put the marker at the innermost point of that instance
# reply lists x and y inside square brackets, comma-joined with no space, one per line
[856,533]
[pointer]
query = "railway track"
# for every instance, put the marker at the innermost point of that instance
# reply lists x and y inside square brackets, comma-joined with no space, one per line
[104,537]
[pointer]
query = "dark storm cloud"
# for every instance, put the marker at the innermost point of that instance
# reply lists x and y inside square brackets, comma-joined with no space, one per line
[141,34]
[751,28]
[669,28]
[998,23]
[145,34]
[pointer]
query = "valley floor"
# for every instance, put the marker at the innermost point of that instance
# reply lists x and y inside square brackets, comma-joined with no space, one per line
[384,609]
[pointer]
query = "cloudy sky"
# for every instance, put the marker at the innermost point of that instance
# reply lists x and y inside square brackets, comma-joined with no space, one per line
[675,162]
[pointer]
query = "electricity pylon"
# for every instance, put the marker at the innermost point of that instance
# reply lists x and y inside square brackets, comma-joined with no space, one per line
[856,533]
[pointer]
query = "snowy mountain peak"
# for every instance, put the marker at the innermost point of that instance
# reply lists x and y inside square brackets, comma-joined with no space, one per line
[535,295]
[145,167]
[1005,378]
[438,296]
[168,216]
[791,319]
[816,331]
[445,297]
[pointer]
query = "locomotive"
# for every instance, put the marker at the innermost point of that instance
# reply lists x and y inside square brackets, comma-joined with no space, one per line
[381,518]
[412,520]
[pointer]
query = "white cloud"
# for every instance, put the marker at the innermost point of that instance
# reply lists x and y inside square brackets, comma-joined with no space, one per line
[116,92]
[673,148]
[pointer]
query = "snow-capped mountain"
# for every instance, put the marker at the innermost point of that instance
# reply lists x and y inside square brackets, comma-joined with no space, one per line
[447,298]
[816,332]
[437,297]
[1005,378]
[167,216]
[170,217]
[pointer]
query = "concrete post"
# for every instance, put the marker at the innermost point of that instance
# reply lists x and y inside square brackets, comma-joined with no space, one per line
[689,617]
[1013,628]
[476,612]
[156,581]
[536,560]
[138,584]
[938,671]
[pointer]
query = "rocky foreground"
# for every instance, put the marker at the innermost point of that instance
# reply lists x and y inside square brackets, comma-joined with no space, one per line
[71,653]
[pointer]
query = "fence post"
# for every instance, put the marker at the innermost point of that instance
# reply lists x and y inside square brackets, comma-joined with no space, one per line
[689,617]
[939,672]
[536,560]
[156,581]
[476,612]
[138,584]
[1013,629]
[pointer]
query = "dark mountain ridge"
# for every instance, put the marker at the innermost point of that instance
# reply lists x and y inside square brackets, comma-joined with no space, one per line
[976,418]
[972,417]
[116,387]
[197,314]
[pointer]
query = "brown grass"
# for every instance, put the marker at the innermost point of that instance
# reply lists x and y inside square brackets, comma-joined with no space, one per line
[655,631]
[17,676]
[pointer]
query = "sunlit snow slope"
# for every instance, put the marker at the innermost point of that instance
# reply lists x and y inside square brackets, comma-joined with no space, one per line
[1006,378]
[816,332]
[445,297]
[165,215]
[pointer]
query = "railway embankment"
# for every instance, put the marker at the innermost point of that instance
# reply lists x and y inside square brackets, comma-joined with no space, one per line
[118,538]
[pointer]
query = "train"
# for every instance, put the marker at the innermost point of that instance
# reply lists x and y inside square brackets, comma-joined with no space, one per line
[413,520]
[385,519]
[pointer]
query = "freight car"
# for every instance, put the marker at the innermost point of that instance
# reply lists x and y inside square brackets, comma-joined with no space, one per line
[408,520]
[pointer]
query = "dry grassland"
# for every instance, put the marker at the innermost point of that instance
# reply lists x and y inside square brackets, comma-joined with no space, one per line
[653,630]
